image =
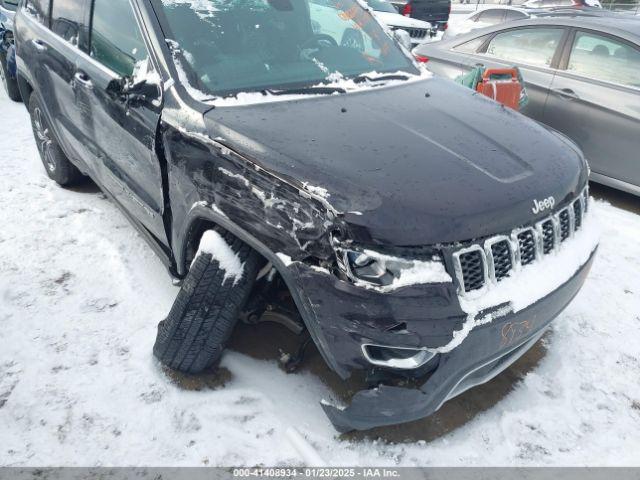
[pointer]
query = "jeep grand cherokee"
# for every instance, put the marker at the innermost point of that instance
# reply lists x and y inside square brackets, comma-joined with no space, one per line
[410,228]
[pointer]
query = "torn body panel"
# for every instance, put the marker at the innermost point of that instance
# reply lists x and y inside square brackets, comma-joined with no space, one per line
[486,352]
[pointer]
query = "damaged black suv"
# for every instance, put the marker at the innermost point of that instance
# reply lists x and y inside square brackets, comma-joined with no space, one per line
[287,160]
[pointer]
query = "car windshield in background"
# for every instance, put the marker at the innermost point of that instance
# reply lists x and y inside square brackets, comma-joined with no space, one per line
[232,46]
[382,6]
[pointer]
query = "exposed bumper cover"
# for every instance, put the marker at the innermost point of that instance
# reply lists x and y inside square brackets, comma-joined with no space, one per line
[487,351]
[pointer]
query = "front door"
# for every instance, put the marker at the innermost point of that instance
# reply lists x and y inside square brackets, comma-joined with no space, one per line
[120,132]
[595,100]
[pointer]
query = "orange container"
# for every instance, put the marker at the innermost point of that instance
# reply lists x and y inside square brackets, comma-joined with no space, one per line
[501,85]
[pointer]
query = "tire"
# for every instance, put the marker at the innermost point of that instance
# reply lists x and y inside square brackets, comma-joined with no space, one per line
[10,85]
[56,163]
[193,336]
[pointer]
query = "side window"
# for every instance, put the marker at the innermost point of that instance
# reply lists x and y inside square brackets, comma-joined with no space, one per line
[606,59]
[67,17]
[116,40]
[532,46]
[514,15]
[39,9]
[471,46]
[491,17]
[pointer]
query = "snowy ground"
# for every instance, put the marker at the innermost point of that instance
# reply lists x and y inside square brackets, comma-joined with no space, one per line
[80,297]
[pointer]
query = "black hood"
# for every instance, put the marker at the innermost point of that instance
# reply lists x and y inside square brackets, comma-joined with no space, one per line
[412,164]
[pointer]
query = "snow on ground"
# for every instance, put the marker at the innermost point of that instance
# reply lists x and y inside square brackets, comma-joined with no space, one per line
[80,297]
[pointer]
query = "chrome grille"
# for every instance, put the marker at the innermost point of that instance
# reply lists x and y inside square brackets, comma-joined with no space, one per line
[493,260]
[501,258]
[564,218]
[548,236]
[473,268]
[527,245]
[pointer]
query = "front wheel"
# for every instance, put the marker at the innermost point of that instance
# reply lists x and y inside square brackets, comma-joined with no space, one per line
[193,336]
[56,163]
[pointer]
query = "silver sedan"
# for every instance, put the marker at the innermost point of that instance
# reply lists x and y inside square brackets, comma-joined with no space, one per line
[582,75]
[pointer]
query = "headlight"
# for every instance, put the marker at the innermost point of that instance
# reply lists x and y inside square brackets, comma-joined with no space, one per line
[360,266]
[370,268]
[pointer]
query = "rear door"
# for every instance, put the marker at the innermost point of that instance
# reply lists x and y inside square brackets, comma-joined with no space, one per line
[535,50]
[119,130]
[49,48]
[595,100]
[69,35]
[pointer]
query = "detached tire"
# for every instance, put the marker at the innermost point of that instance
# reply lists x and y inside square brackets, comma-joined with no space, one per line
[10,85]
[194,334]
[56,163]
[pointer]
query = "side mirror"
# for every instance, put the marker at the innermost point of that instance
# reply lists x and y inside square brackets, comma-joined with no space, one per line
[134,93]
[143,89]
[403,38]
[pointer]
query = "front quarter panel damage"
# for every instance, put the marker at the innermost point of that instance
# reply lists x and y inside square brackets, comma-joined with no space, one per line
[208,180]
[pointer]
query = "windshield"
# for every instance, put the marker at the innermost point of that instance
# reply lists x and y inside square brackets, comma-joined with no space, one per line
[232,46]
[382,6]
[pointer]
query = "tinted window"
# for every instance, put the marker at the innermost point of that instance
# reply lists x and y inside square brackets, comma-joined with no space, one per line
[605,59]
[532,46]
[39,9]
[116,40]
[67,17]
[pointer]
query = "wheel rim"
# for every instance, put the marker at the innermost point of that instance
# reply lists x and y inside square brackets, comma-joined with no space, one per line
[43,139]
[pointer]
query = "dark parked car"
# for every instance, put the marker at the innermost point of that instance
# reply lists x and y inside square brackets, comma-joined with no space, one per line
[409,228]
[7,51]
[435,12]
[582,74]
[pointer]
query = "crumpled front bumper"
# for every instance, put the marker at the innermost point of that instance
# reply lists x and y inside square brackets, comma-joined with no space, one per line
[487,351]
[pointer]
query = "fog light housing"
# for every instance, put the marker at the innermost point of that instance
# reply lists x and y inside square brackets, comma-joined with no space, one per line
[396,357]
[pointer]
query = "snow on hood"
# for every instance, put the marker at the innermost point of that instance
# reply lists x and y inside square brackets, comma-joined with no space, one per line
[220,251]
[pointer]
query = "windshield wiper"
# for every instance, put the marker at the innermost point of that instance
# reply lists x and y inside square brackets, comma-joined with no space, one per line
[380,78]
[308,91]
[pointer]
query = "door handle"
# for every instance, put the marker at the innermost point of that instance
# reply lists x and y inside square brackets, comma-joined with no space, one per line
[39,45]
[566,93]
[83,80]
